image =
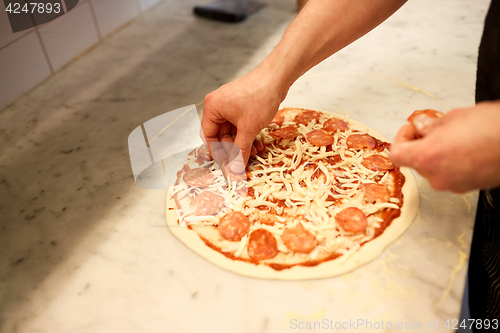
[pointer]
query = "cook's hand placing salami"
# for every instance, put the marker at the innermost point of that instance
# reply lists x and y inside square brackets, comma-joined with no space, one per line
[460,153]
[238,111]
[235,113]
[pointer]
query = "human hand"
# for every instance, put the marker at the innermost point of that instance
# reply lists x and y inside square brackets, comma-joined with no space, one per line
[461,153]
[236,112]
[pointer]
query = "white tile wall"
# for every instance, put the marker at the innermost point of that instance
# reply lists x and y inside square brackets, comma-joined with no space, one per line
[28,57]
[6,35]
[69,35]
[22,66]
[146,4]
[111,14]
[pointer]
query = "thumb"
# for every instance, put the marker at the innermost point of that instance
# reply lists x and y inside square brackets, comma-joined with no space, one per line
[406,153]
[240,152]
[401,147]
[405,134]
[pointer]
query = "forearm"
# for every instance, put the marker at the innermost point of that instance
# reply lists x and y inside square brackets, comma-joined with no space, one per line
[322,28]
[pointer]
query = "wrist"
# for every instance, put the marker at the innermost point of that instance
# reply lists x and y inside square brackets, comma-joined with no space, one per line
[279,78]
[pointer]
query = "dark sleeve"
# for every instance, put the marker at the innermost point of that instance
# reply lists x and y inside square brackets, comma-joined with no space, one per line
[488,65]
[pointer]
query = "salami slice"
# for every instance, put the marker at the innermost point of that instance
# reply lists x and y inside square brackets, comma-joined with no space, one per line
[279,118]
[319,138]
[299,239]
[423,121]
[199,177]
[233,226]
[376,193]
[332,160]
[377,163]
[288,132]
[334,124]
[306,117]
[207,203]
[361,141]
[262,245]
[352,219]
[204,153]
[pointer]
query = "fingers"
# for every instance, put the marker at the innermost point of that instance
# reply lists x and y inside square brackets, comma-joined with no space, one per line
[253,151]
[406,150]
[258,145]
[405,134]
[210,123]
[225,133]
[213,125]
[209,130]
[217,152]
[401,148]
[410,150]
[223,146]
[240,151]
[401,154]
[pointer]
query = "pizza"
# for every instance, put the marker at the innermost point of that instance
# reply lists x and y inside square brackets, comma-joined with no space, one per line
[322,199]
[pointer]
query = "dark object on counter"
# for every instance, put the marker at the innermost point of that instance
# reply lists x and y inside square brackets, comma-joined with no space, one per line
[231,11]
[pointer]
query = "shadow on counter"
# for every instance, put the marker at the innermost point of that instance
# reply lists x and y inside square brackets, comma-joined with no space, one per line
[64,160]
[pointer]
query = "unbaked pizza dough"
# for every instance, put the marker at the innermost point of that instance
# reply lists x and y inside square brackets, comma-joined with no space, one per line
[343,264]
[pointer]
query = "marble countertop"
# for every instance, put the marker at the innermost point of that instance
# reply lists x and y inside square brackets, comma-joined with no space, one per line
[84,249]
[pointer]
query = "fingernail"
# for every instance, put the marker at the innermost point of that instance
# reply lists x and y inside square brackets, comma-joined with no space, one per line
[253,151]
[237,166]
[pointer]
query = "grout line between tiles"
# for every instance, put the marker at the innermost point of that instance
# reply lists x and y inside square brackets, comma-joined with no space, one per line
[52,71]
[64,7]
[44,51]
[139,8]
[94,19]
[15,40]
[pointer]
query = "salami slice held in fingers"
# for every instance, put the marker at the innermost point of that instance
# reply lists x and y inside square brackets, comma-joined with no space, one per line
[233,226]
[427,112]
[299,239]
[319,138]
[377,163]
[423,121]
[288,132]
[199,177]
[262,245]
[207,203]
[305,117]
[352,219]
[361,141]
[376,193]
[334,124]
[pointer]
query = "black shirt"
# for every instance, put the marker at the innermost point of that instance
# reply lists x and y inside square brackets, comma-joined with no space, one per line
[484,262]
